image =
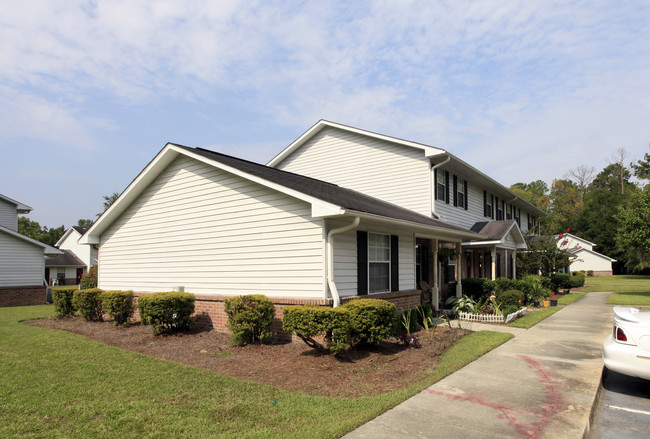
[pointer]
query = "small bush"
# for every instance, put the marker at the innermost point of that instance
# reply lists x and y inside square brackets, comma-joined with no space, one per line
[577,280]
[119,305]
[560,280]
[88,304]
[310,321]
[477,287]
[371,320]
[63,301]
[89,280]
[590,273]
[510,297]
[166,312]
[508,309]
[250,318]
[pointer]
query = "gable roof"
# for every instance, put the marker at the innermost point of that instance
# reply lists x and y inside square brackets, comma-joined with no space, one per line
[20,207]
[70,231]
[47,250]
[498,231]
[576,250]
[327,199]
[435,154]
[67,259]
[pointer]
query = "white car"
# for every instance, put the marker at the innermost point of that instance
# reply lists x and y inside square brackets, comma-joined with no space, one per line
[627,349]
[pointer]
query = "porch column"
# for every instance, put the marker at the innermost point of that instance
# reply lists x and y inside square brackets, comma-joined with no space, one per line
[514,264]
[493,256]
[506,261]
[459,269]
[435,288]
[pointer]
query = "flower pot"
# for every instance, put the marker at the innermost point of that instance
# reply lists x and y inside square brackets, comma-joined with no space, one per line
[547,303]
[553,302]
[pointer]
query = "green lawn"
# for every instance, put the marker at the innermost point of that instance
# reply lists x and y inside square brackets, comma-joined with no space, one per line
[533,317]
[630,298]
[618,283]
[57,384]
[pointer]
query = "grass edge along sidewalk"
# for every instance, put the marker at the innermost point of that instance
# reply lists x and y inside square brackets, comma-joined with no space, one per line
[57,384]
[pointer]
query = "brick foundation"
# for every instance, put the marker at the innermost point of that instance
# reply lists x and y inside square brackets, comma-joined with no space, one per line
[24,295]
[209,309]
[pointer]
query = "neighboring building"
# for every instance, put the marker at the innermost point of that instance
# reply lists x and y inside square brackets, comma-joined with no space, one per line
[77,259]
[220,226]
[427,180]
[585,258]
[22,259]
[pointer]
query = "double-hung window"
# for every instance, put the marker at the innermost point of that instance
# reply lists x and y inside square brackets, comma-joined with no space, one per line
[378,262]
[461,195]
[442,179]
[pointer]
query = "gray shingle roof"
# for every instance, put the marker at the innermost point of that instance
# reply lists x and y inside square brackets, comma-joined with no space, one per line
[494,230]
[67,259]
[328,192]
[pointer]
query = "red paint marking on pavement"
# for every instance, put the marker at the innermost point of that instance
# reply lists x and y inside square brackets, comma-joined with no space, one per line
[552,403]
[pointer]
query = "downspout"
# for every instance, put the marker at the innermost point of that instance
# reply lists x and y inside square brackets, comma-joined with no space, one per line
[432,187]
[330,258]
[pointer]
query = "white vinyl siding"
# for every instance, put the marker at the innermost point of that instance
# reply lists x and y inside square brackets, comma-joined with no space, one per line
[345,259]
[388,171]
[86,253]
[8,215]
[213,233]
[21,263]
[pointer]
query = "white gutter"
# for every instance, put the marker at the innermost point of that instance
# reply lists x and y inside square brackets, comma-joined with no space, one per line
[330,258]
[432,187]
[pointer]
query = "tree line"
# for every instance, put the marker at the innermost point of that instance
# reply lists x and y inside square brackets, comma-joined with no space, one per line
[608,208]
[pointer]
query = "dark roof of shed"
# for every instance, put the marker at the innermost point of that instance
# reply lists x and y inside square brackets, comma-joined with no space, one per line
[328,192]
[494,230]
[67,259]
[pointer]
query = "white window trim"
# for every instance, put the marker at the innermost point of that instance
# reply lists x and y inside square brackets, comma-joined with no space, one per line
[379,262]
[460,189]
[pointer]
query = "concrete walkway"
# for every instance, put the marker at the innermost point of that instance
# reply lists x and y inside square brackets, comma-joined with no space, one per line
[540,384]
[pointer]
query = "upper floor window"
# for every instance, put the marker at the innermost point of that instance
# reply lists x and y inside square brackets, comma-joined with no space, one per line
[378,262]
[488,205]
[460,193]
[442,185]
[508,211]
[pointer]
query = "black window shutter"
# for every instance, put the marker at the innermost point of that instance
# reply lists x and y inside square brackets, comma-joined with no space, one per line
[435,184]
[466,194]
[495,206]
[455,191]
[394,263]
[447,187]
[485,210]
[362,262]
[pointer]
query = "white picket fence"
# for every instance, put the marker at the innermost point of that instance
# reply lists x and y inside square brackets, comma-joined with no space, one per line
[491,318]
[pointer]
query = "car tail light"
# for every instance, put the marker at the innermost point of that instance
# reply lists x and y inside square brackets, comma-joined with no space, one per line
[619,334]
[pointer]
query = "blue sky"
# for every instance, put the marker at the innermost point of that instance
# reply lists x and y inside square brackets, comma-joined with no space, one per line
[90,91]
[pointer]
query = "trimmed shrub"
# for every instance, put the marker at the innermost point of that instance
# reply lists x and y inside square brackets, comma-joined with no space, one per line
[510,297]
[119,305]
[166,312]
[546,282]
[63,301]
[371,320]
[560,280]
[477,287]
[310,321]
[250,318]
[89,280]
[590,273]
[577,280]
[88,304]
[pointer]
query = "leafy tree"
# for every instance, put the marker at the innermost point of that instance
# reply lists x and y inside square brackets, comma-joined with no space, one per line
[535,192]
[642,168]
[545,255]
[85,223]
[34,230]
[108,202]
[633,235]
[566,203]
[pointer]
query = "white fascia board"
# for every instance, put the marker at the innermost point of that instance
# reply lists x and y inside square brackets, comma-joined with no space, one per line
[577,238]
[420,229]
[132,191]
[47,249]
[311,132]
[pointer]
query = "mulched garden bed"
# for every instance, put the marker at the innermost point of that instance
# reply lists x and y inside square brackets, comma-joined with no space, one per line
[292,366]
